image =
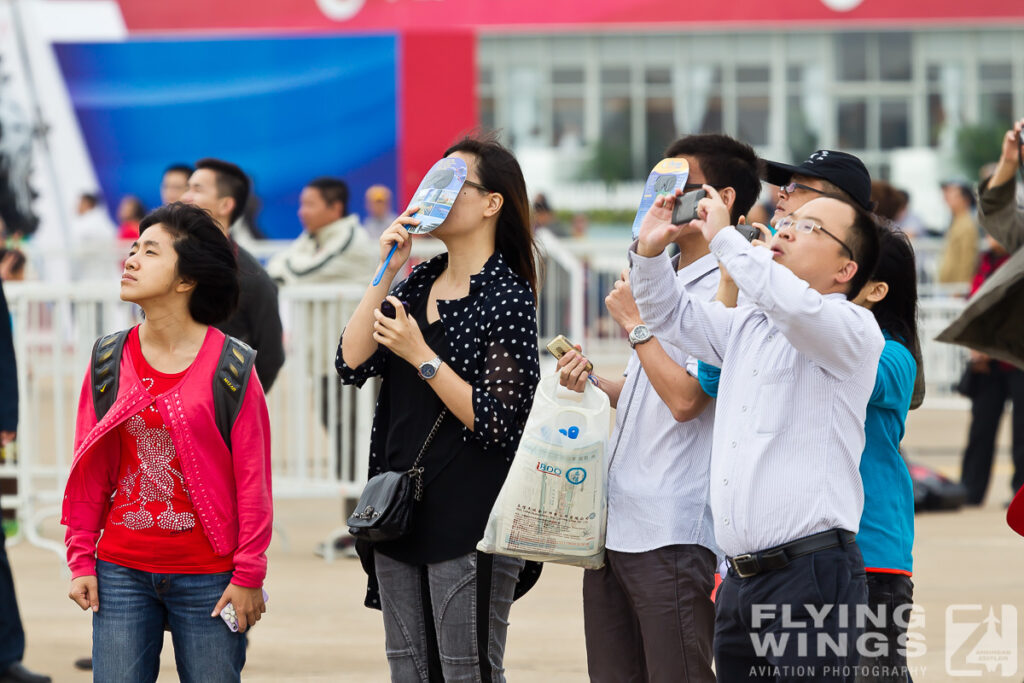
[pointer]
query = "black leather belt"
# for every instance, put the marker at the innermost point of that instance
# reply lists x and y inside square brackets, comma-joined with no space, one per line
[751,564]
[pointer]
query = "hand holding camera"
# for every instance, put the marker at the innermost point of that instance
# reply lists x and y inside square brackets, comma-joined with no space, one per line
[713,214]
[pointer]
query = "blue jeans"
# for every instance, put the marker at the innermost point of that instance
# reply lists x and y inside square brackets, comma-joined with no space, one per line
[447,621]
[128,629]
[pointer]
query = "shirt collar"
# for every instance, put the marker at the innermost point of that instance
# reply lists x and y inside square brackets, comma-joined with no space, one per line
[696,270]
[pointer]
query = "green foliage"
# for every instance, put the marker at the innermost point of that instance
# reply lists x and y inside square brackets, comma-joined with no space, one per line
[611,162]
[979,144]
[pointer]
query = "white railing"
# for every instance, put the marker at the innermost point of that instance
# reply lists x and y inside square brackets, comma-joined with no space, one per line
[320,430]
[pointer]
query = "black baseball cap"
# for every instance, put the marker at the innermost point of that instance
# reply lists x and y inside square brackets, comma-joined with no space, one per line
[843,170]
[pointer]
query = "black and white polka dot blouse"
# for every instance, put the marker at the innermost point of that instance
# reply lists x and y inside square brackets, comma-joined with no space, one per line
[492,345]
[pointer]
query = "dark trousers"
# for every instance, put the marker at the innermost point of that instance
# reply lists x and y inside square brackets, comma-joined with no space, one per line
[12,637]
[649,616]
[989,392]
[774,626]
[884,657]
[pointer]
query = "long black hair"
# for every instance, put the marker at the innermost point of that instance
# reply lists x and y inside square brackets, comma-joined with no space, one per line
[897,312]
[499,172]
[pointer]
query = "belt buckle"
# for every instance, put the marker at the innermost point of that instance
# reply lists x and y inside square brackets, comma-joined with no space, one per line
[744,558]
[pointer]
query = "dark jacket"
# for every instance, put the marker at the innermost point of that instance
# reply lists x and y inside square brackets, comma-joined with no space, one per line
[992,322]
[257,320]
[8,370]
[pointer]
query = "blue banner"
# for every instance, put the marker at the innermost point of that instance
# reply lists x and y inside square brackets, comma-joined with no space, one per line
[286,110]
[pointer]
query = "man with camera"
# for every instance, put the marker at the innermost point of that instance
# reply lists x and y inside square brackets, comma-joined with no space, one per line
[799,362]
[990,325]
[648,613]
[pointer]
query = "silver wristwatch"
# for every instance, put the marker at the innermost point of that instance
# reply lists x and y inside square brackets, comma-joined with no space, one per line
[429,369]
[639,334]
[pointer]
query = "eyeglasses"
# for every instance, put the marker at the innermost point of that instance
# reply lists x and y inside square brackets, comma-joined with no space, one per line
[806,225]
[476,185]
[790,188]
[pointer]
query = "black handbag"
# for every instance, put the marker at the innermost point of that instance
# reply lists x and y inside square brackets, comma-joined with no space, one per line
[384,510]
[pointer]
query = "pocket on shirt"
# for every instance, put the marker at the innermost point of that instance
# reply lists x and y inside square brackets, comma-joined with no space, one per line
[776,386]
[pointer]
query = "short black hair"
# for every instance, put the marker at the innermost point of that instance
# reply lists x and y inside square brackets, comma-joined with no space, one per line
[726,162]
[205,257]
[231,182]
[863,240]
[180,168]
[333,190]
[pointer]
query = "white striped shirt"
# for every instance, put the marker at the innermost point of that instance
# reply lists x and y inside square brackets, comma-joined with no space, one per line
[658,477]
[798,368]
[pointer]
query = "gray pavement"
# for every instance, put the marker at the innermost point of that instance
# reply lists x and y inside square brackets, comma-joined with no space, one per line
[316,628]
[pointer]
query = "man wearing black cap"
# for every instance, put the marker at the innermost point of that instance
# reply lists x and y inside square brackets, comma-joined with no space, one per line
[826,172]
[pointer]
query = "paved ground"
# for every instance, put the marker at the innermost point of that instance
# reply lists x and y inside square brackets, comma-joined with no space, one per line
[317,629]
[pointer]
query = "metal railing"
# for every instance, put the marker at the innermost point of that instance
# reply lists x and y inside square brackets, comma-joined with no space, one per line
[319,429]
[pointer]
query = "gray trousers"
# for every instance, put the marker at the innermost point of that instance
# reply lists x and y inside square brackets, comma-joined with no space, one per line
[649,616]
[447,621]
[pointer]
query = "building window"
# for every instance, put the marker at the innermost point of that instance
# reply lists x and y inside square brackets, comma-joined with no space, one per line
[852,124]
[894,123]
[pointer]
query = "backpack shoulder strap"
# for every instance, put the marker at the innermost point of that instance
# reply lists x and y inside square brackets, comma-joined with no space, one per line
[105,371]
[229,382]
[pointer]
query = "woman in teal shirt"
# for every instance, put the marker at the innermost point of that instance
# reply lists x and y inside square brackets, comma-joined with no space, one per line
[886,536]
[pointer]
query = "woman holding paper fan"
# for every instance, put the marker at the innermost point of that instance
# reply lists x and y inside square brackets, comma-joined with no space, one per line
[456,348]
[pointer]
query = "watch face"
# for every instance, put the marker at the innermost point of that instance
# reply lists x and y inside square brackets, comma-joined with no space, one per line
[427,370]
[641,333]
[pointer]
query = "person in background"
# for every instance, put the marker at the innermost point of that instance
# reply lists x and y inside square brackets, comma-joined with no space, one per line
[379,214]
[991,321]
[886,535]
[890,202]
[222,188]
[174,183]
[12,635]
[990,384]
[93,241]
[960,247]
[332,247]
[544,217]
[462,364]
[130,213]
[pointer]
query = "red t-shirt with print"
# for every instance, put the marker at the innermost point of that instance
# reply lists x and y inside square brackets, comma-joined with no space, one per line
[152,525]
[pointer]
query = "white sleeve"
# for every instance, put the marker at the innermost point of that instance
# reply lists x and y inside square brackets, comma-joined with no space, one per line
[837,335]
[674,315]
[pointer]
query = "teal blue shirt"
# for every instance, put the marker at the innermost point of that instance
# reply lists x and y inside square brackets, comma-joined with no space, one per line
[708,376]
[886,536]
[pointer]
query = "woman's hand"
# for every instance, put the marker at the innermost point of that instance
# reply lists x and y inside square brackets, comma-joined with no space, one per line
[397,233]
[401,335]
[248,603]
[85,592]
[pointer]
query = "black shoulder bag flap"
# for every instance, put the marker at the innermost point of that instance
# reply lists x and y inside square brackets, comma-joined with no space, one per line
[384,511]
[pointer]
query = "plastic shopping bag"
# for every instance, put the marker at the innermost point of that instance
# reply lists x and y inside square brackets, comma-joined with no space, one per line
[553,506]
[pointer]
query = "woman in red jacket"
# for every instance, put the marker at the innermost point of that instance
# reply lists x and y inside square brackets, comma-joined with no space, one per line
[184,506]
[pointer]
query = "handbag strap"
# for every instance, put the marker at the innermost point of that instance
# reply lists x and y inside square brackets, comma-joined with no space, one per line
[416,472]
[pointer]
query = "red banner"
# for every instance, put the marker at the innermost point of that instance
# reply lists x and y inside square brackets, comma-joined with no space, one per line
[561,15]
